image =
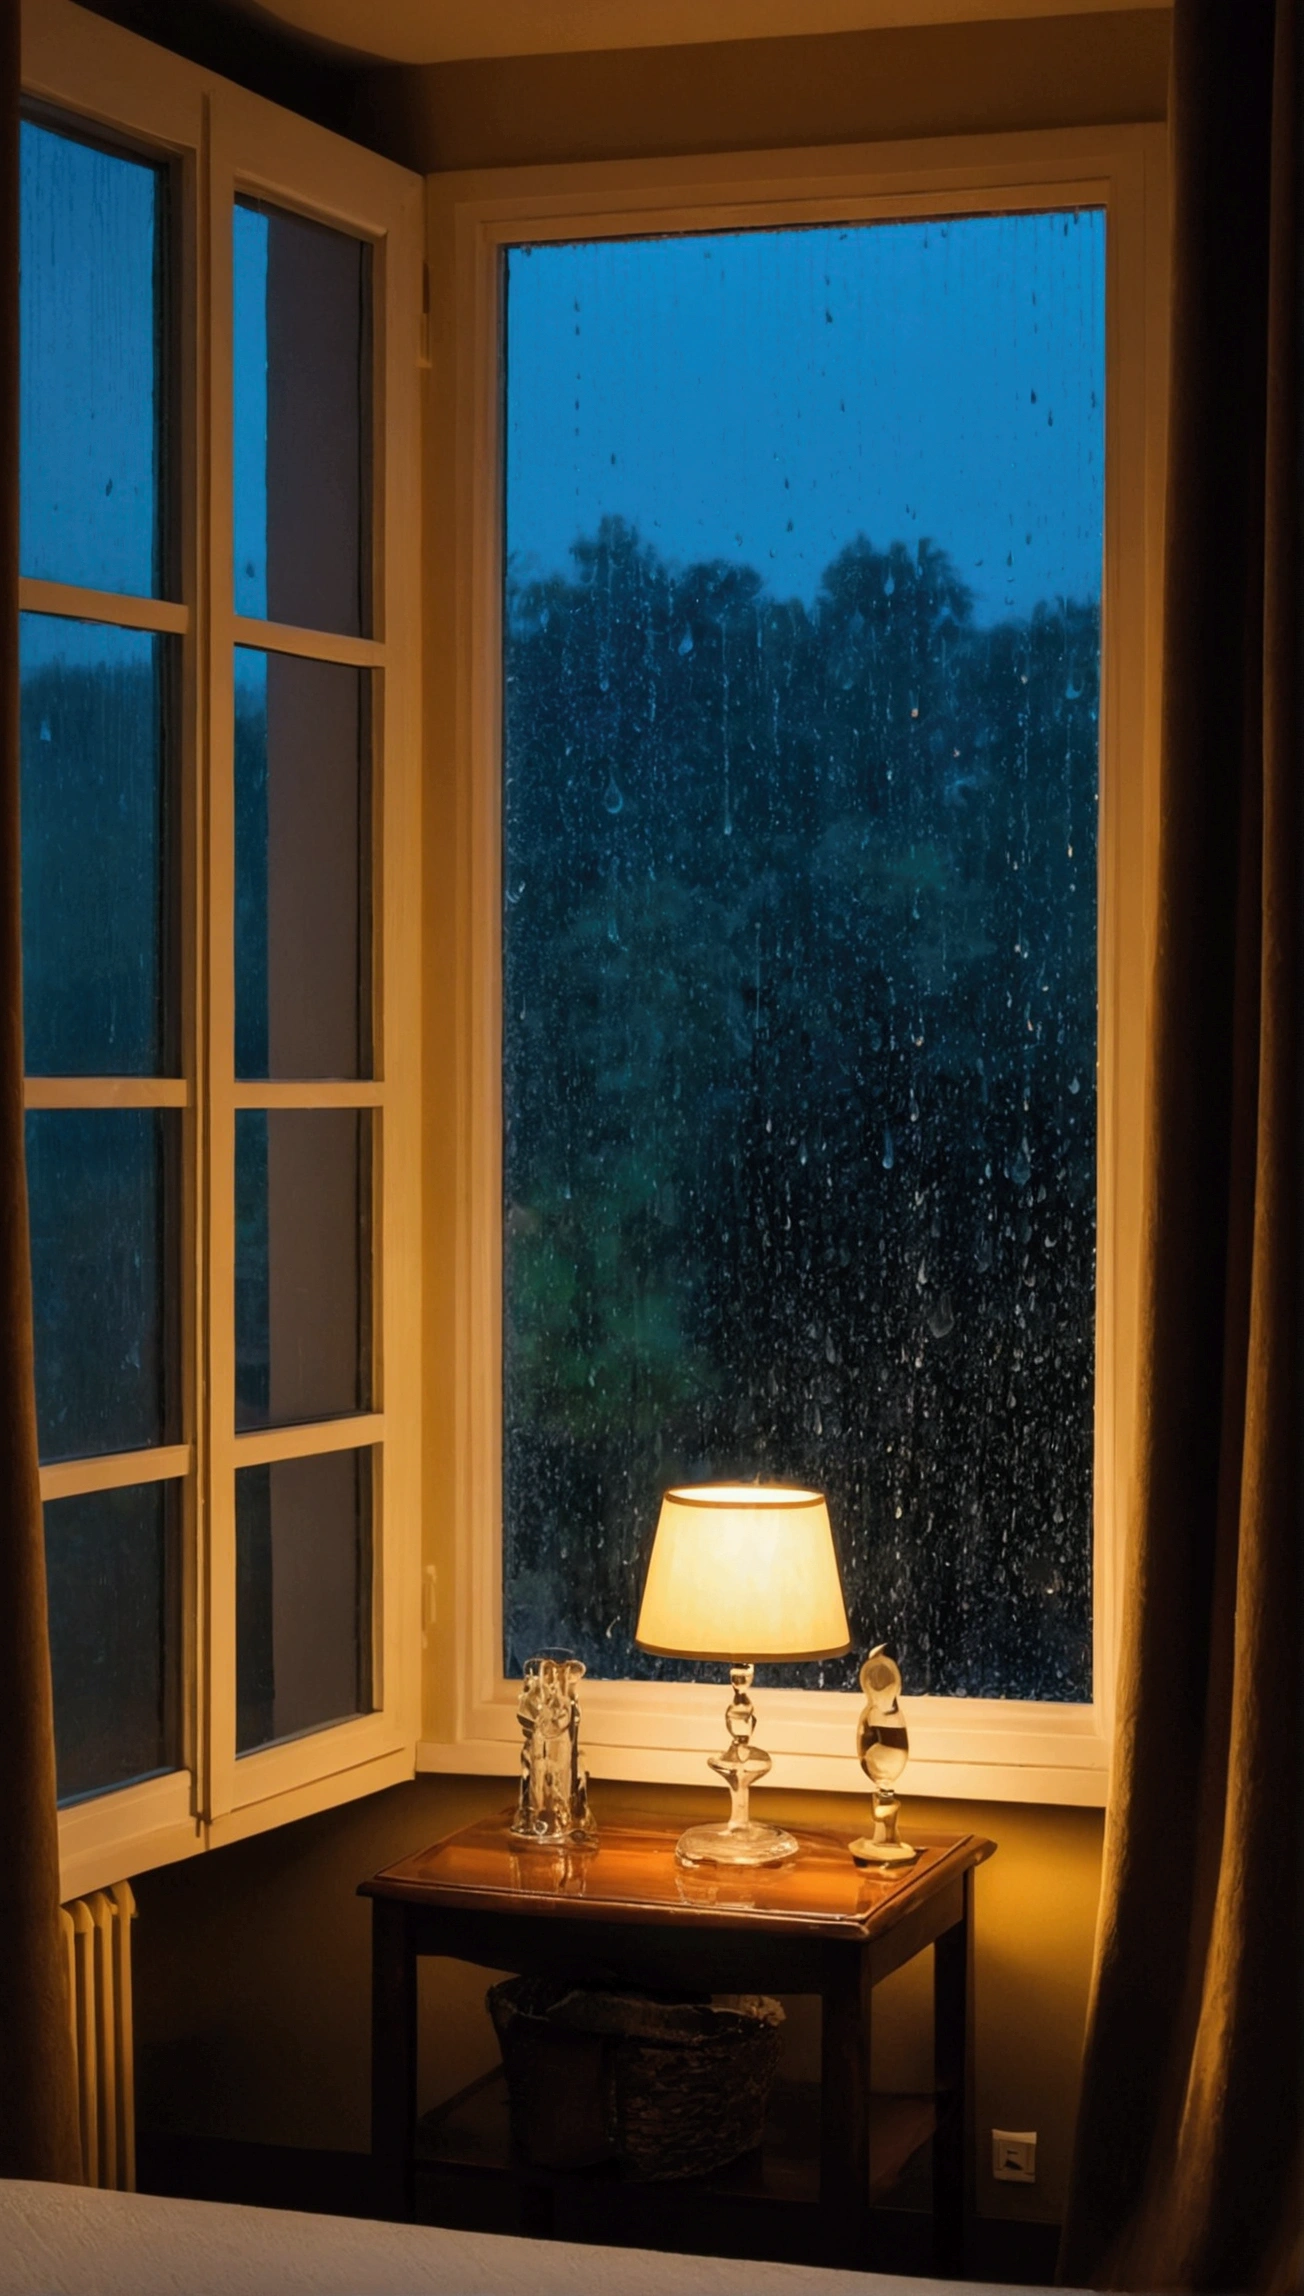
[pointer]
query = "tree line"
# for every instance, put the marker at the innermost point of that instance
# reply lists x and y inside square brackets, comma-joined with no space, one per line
[799,1001]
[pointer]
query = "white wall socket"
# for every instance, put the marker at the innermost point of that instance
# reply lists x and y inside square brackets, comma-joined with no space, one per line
[1014,2156]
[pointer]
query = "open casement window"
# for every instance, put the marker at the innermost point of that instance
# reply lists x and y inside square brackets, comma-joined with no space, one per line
[797,909]
[219,570]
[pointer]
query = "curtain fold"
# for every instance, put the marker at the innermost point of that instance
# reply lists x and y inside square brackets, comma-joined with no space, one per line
[1188,2169]
[38,2111]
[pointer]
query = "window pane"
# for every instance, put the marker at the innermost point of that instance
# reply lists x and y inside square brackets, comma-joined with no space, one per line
[802,662]
[302,421]
[99,1186]
[303,1595]
[93,246]
[301,866]
[96,851]
[112,1562]
[302,1179]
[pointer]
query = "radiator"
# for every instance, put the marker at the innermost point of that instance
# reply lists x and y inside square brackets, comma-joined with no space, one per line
[97,1940]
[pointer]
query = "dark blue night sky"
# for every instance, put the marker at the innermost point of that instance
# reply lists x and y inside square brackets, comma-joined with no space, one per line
[767,395]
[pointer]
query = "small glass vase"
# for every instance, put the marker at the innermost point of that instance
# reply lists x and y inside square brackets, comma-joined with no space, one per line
[553,1808]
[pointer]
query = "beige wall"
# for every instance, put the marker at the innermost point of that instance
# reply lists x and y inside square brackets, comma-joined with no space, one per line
[253,1974]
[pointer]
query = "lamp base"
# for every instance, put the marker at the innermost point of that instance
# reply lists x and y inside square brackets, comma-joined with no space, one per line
[883,1846]
[752,1844]
[869,1852]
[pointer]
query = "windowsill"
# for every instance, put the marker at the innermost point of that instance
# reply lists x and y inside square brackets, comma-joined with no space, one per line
[1004,1750]
[155,1817]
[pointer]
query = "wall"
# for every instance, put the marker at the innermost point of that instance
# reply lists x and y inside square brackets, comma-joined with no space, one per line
[252,1962]
[253,1974]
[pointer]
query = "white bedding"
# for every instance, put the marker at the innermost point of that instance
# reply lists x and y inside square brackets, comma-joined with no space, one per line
[61,2240]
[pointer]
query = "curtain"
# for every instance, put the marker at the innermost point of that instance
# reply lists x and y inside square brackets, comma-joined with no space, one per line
[1187,2171]
[38,2111]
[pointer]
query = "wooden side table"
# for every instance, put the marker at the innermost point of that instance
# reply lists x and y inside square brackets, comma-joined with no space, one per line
[625,1913]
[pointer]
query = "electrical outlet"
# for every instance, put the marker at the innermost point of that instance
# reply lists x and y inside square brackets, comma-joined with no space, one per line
[1014,2156]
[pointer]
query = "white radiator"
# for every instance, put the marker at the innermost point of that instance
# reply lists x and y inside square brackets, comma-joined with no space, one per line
[97,1940]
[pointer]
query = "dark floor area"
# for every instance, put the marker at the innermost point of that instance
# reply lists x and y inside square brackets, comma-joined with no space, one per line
[339,2184]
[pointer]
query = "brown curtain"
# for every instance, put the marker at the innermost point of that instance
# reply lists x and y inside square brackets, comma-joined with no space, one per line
[38,2112]
[1187,2172]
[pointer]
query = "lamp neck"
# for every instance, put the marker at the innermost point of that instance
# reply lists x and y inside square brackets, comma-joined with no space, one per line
[742,1764]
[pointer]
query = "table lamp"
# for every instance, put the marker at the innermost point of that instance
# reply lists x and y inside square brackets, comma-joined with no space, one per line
[744,1573]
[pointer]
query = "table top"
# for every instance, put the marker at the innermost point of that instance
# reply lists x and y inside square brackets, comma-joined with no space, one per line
[630,1875]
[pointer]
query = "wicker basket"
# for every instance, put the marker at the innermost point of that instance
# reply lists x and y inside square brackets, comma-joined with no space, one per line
[662,2088]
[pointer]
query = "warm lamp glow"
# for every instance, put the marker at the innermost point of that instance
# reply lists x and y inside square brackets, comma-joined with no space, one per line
[743,1571]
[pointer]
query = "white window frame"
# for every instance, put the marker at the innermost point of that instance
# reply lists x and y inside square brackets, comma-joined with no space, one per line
[222,141]
[1008,1749]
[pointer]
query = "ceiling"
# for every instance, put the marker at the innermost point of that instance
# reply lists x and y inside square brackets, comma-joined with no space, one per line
[442,31]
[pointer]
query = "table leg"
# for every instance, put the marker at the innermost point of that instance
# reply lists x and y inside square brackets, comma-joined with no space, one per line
[393,2059]
[844,2110]
[953,2153]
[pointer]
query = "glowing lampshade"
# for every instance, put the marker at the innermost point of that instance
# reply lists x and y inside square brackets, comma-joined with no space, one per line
[743,1571]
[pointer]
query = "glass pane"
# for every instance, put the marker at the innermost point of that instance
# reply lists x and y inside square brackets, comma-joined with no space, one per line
[99,1183]
[112,1562]
[302,421]
[96,851]
[302,1267]
[301,867]
[92,257]
[802,661]
[303,1595]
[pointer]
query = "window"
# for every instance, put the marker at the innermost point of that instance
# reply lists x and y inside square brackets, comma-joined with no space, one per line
[801,679]
[220,795]
[787,1132]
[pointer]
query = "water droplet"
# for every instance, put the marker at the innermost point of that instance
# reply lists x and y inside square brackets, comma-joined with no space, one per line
[686,642]
[941,1321]
[1021,1168]
[889,1150]
[613,800]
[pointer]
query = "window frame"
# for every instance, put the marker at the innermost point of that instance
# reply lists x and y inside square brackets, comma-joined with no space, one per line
[1010,1749]
[220,141]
